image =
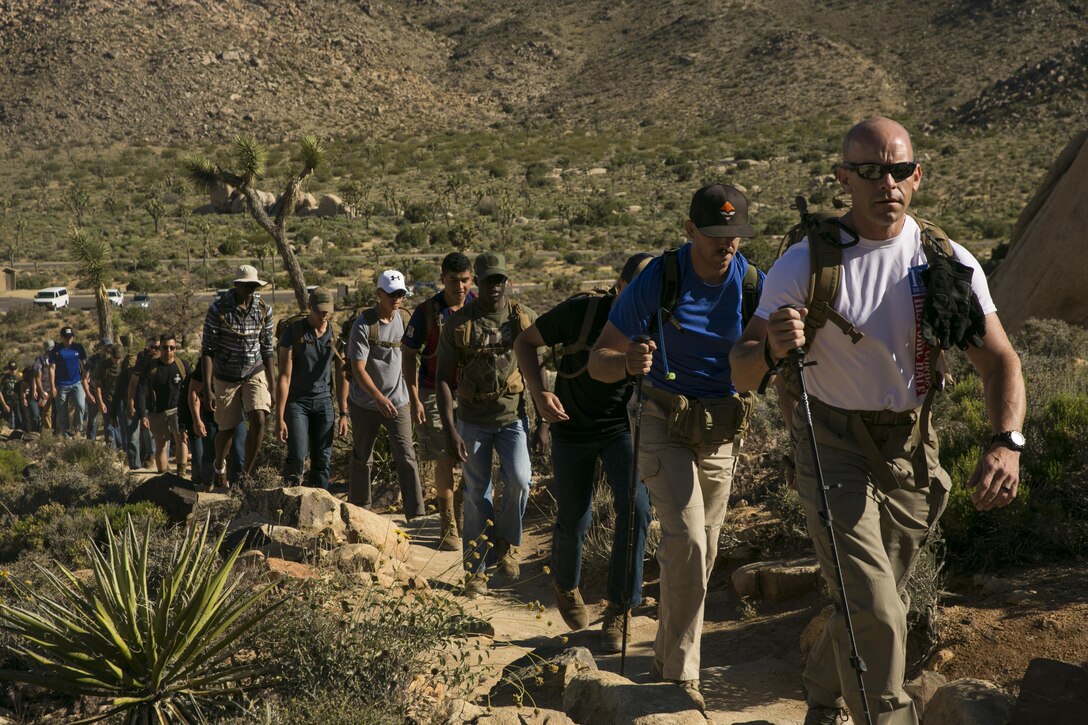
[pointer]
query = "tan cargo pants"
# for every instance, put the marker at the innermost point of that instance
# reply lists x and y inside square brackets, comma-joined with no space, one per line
[689,488]
[879,531]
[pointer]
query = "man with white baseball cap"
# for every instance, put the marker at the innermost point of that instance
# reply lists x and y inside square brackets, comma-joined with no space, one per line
[237,348]
[377,396]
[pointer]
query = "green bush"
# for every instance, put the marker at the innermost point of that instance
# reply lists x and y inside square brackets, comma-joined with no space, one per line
[63,534]
[411,237]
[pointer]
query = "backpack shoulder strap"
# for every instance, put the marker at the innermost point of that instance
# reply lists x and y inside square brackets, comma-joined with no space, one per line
[934,239]
[749,299]
[825,276]
[582,343]
[670,288]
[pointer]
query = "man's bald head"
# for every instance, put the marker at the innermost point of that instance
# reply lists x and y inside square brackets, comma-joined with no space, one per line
[874,132]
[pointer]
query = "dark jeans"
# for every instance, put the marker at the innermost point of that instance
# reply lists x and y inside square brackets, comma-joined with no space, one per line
[202,451]
[92,420]
[310,424]
[130,438]
[114,436]
[573,466]
[14,417]
[32,415]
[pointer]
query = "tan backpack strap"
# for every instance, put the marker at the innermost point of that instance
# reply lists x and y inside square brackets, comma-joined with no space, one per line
[933,238]
[582,343]
[824,281]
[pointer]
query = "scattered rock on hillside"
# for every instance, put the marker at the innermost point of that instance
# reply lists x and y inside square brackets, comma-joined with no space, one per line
[221,195]
[174,495]
[603,698]
[777,581]
[543,675]
[329,205]
[923,687]
[356,558]
[1052,692]
[969,702]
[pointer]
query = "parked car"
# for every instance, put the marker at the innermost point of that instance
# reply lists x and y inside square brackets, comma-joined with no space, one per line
[115,297]
[52,298]
[141,299]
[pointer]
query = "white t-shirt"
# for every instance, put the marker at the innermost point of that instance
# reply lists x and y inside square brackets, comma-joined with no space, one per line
[881,293]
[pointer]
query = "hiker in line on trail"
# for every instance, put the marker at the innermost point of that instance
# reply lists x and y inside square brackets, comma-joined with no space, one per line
[589,422]
[237,368]
[691,302]
[476,357]
[304,410]
[44,386]
[144,441]
[911,293]
[420,367]
[101,352]
[28,395]
[198,424]
[377,396]
[66,364]
[9,396]
[104,383]
[125,394]
[157,402]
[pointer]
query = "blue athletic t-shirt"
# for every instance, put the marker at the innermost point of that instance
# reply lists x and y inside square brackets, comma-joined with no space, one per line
[709,314]
[67,359]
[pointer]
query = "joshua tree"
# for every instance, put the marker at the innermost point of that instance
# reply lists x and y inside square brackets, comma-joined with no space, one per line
[91,255]
[154,206]
[251,158]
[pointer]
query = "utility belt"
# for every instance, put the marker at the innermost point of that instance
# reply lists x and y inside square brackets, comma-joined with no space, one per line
[703,421]
[871,429]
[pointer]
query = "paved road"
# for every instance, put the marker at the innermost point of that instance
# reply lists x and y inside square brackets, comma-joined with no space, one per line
[86,302]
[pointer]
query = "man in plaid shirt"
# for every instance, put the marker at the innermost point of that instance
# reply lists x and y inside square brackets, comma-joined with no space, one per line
[237,348]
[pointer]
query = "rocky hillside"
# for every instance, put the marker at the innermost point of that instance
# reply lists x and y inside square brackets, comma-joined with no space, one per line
[172,71]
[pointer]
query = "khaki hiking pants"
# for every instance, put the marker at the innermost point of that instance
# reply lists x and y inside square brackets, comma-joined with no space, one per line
[879,534]
[689,488]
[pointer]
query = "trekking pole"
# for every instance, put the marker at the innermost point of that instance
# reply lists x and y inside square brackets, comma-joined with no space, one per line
[797,360]
[632,488]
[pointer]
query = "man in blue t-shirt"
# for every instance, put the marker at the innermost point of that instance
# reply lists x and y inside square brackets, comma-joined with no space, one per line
[692,418]
[66,365]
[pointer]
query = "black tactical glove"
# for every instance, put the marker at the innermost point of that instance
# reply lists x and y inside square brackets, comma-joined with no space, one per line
[951,314]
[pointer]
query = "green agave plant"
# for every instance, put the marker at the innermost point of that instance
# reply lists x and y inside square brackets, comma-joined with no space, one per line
[164,657]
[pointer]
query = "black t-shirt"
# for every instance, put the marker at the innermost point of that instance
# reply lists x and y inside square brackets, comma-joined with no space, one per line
[311,360]
[161,385]
[597,410]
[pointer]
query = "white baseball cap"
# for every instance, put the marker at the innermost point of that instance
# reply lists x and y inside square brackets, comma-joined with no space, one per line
[391,281]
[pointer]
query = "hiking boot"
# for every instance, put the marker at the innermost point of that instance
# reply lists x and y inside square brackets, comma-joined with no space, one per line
[612,628]
[475,585]
[571,607]
[449,539]
[691,689]
[820,715]
[509,568]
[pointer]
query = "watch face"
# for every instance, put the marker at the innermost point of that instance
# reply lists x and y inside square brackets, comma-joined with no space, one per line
[1017,438]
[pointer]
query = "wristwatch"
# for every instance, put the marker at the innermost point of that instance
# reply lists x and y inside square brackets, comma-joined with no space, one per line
[1012,439]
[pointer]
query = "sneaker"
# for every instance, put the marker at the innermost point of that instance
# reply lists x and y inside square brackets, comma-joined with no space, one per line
[571,607]
[475,585]
[509,568]
[612,628]
[820,715]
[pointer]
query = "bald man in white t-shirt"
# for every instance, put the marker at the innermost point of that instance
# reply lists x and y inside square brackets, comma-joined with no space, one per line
[867,407]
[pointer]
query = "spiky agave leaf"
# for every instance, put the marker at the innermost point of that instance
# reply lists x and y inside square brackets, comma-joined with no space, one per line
[251,158]
[154,660]
[201,172]
[313,153]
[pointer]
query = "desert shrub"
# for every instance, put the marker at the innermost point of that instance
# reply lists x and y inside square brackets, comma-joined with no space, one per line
[371,661]
[411,237]
[71,473]
[417,212]
[536,175]
[230,247]
[63,533]
[1049,519]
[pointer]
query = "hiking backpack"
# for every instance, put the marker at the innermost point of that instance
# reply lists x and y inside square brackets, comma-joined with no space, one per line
[670,291]
[559,352]
[463,338]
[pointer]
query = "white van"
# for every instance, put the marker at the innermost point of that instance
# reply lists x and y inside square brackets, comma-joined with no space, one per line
[115,297]
[52,298]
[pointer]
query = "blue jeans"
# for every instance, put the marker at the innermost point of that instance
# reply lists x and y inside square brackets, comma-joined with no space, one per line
[130,437]
[92,422]
[202,451]
[309,430]
[573,465]
[65,394]
[114,437]
[511,442]
[32,415]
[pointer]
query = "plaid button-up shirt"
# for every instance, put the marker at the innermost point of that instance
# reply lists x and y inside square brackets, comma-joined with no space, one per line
[238,340]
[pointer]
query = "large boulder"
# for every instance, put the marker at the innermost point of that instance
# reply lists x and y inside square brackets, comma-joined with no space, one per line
[329,205]
[777,581]
[1052,692]
[1047,261]
[175,495]
[596,697]
[541,676]
[221,196]
[968,702]
[922,689]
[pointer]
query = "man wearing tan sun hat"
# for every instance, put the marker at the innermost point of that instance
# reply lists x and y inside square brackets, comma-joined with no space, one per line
[237,367]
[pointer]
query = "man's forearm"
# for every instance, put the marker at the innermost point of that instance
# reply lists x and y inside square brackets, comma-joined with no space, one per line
[445,406]
[607,365]
[410,372]
[529,362]
[1006,400]
[364,381]
[748,365]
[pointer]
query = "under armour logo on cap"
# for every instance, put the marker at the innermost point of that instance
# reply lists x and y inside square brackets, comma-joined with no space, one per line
[391,281]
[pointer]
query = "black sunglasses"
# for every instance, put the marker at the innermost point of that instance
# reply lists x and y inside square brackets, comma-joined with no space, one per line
[872,172]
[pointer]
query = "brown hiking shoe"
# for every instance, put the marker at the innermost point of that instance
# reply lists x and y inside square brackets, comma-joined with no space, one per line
[612,628]
[509,568]
[819,715]
[571,607]
[475,585]
[449,540]
[691,689]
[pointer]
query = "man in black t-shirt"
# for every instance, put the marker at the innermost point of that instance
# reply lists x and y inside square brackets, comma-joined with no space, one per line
[588,422]
[304,410]
[157,400]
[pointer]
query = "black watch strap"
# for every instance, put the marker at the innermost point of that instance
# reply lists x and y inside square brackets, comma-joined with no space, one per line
[1012,439]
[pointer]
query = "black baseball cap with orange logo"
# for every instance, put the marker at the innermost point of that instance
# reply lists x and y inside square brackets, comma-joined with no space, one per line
[719,210]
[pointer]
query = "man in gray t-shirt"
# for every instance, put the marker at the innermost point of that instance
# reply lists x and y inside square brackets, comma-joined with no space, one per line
[377,395]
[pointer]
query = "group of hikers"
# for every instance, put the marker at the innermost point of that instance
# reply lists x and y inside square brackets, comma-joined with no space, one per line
[654,380]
